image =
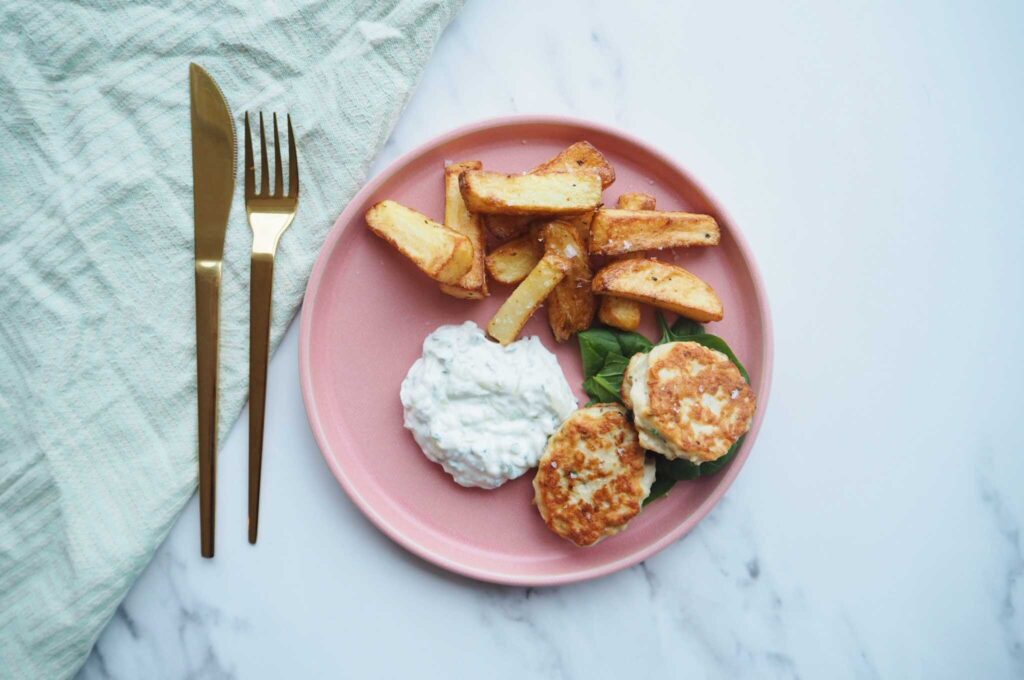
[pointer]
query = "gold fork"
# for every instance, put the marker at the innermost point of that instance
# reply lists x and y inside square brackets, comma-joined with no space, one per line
[269,215]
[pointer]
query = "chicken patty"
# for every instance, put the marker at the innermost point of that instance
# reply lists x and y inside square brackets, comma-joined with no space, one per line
[689,401]
[593,475]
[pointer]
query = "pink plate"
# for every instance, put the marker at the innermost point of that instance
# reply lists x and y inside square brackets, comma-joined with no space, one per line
[367,311]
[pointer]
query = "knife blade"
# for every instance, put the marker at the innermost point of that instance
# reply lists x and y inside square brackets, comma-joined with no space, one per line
[214,158]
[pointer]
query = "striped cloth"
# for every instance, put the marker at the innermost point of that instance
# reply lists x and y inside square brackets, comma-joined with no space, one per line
[97,347]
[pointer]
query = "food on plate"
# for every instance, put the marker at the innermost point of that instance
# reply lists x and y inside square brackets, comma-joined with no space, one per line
[615,231]
[441,253]
[526,298]
[488,411]
[688,401]
[637,200]
[615,311]
[581,224]
[481,410]
[662,285]
[577,157]
[593,476]
[473,284]
[571,304]
[511,262]
[505,227]
[559,193]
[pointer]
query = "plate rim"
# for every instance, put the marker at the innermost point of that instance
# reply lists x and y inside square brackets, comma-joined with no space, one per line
[411,544]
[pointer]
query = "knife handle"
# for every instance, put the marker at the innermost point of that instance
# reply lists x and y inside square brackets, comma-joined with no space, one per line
[207,341]
[261,294]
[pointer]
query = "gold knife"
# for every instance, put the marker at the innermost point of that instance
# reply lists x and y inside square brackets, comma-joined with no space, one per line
[213,185]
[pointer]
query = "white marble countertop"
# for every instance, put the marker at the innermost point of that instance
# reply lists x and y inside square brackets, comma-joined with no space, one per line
[872,154]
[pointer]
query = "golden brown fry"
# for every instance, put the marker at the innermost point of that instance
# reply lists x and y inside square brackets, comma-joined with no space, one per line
[507,227]
[473,284]
[441,253]
[557,193]
[615,311]
[616,231]
[571,304]
[579,156]
[513,261]
[637,200]
[662,285]
[526,298]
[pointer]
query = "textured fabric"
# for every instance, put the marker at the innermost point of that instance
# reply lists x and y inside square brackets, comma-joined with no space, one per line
[97,344]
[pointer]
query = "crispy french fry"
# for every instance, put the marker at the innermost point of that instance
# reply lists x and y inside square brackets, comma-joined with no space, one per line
[615,311]
[579,156]
[526,298]
[637,200]
[513,261]
[441,253]
[473,284]
[571,304]
[507,227]
[557,193]
[662,285]
[616,231]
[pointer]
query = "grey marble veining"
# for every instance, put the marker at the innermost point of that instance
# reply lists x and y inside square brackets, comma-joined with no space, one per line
[871,155]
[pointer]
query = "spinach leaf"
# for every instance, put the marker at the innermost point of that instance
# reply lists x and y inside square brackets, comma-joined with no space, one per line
[595,346]
[660,487]
[598,344]
[632,343]
[606,385]
[680,330]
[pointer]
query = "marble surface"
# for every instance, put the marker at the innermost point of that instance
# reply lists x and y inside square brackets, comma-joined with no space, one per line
[871,153]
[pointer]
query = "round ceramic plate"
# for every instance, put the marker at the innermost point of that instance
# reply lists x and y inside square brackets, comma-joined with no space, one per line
[367,311]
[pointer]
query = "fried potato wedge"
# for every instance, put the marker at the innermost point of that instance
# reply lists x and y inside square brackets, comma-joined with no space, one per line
[557,193]
[441,253]
[637,200]
[662,285]
[617,231]
[473,284]
[510,318]
[571,304]
[579,156]
[513,261]
[507,227]
[581,224]
[615,311]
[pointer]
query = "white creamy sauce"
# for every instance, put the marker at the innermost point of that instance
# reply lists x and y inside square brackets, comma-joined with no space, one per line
[483,411]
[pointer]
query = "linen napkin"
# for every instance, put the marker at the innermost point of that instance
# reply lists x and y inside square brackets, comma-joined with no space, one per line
[97,339]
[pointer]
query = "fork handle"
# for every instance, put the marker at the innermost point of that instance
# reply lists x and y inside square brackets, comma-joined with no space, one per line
[261,295]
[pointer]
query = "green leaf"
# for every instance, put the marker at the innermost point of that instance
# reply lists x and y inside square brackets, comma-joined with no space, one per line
[632,343]
[595,346]
[680,469]
[682,329]
[666,330]
[660,487]
[606,385]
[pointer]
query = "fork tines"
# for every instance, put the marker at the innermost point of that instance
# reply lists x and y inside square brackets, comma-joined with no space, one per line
[250,169]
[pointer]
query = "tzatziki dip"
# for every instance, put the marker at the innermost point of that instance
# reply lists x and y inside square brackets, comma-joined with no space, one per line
[483,411]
